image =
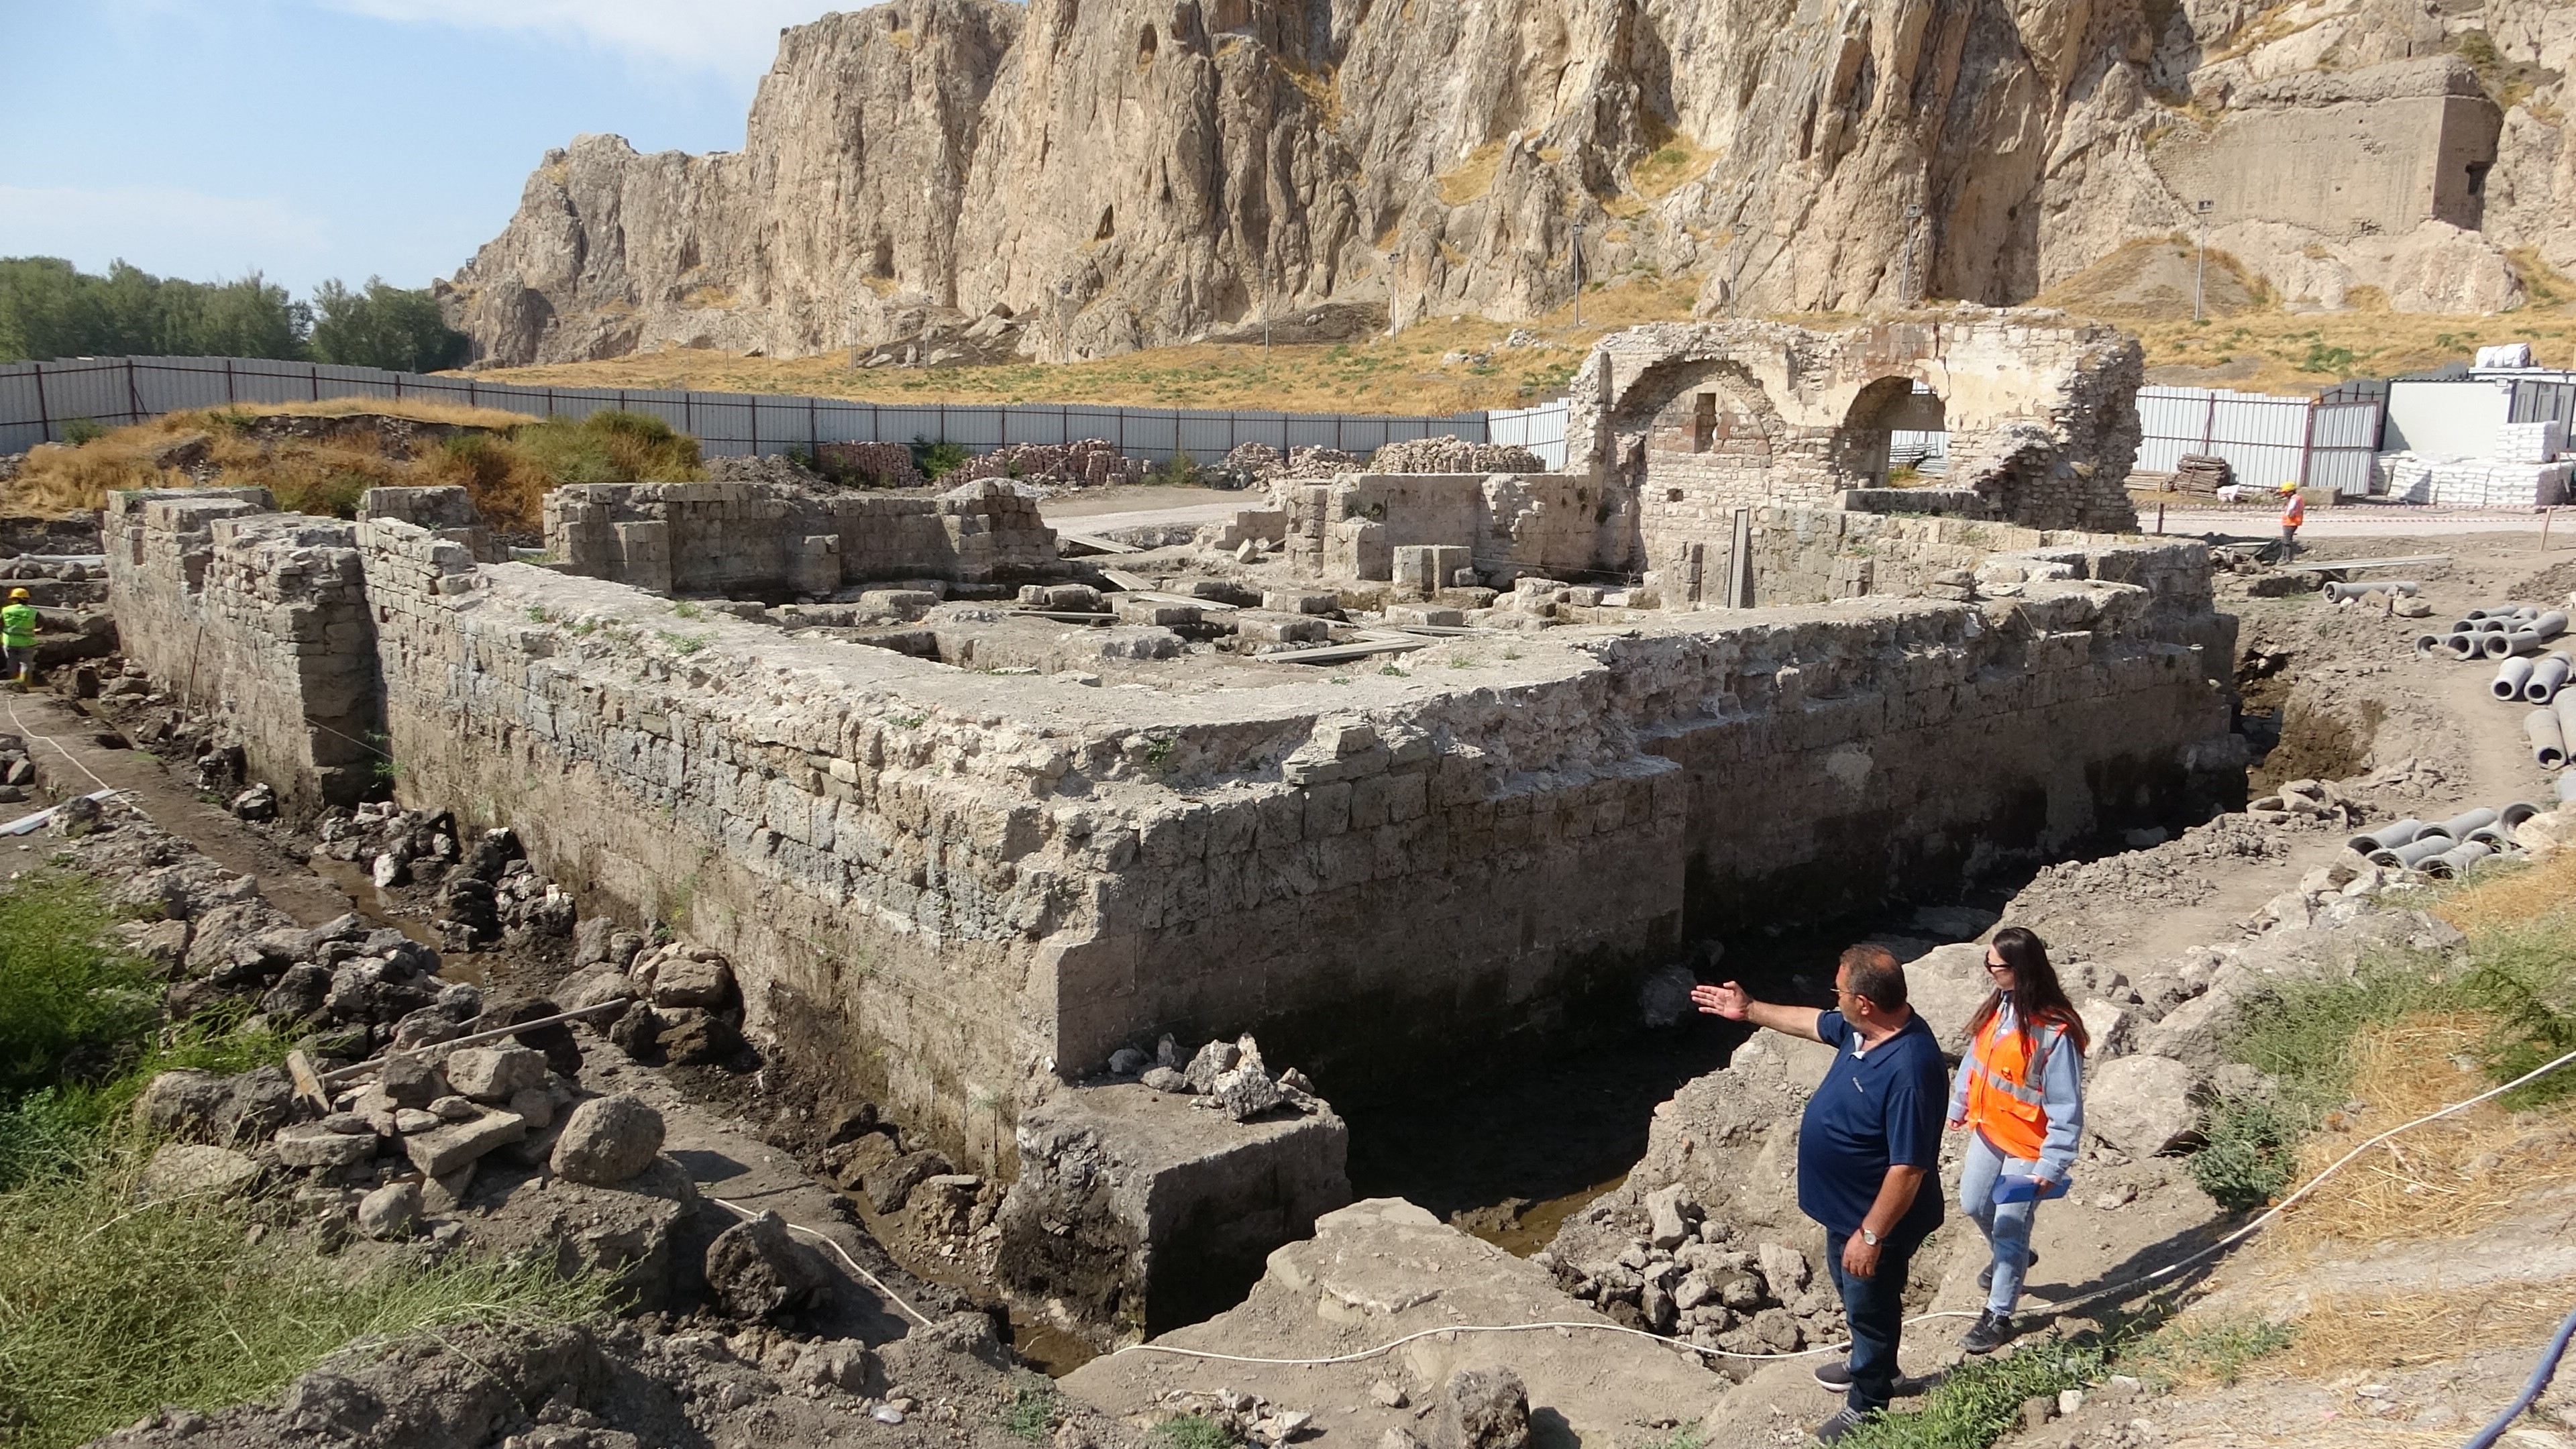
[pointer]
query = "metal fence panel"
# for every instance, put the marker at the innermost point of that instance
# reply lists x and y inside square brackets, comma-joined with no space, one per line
[2264,439]
[37,400]
[2539,402]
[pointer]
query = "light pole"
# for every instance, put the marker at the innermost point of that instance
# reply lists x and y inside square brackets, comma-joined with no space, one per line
[1905,279]
[1578,274]
[1269,286]
[2201,275]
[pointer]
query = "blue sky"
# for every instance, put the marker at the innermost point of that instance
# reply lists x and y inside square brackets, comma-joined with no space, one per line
[340,138]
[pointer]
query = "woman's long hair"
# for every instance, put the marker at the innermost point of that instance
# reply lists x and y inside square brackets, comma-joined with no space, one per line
[2038,999]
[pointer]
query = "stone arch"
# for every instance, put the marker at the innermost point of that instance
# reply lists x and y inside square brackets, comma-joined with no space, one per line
[1886,406]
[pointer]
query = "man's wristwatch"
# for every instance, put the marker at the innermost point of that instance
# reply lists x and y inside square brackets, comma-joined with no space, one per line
[1869,1237]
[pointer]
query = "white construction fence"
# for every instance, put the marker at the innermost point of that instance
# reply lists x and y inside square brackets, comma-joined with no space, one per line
[2326,442]
[39,401]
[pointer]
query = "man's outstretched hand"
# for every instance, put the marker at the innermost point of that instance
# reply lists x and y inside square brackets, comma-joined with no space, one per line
[1730,1000]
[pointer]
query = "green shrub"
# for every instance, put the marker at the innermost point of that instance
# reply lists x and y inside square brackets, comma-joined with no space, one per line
[1192,1431]
[78,431]
[1975,1403]
[609,446]
[2216,1352]
[940,458]
[2250,1152]
[1178,471]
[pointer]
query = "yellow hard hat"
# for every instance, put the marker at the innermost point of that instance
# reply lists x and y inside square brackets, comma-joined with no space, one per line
[2289,488]
[17,594]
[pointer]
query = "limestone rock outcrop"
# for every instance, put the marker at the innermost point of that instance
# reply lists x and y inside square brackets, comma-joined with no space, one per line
[1089,178]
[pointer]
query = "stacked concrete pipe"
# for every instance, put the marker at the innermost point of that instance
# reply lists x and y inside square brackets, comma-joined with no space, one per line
[2492,633]
[2500,645]
[2448,847]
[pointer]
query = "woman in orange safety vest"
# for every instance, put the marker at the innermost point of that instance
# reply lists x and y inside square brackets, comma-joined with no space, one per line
[2021,1095]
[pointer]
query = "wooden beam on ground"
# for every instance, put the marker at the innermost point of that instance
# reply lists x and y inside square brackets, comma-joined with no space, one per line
[1345,653]
[2337,566]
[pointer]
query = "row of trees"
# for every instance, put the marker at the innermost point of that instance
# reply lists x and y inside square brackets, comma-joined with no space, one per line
[50,309]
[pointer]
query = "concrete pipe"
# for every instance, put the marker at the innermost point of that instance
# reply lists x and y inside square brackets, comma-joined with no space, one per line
[2467,647]
[2548,676]
[2491,624]
[2567,783]
[2454,862]
[2512,677]
[2389,837]
[2492,837]
[2548,740]
[2516,813]
[2504,646]
[2550,625]
[2428,645]
[2407,857]
[2459,826]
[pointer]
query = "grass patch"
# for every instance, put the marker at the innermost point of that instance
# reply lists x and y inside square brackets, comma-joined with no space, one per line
[1979,1400]
[1030,1414]
[68,1004]
[1192,1431]
[109,1311]
[2195,1355]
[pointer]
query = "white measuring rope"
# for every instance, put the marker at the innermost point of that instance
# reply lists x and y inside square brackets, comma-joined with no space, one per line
[2269,1216]
[826,1240]
[58,747]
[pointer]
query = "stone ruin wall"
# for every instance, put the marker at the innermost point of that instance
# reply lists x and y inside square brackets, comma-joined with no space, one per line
[1349,528]
[264,616]
[939,885]
[1682,424]
[711,538]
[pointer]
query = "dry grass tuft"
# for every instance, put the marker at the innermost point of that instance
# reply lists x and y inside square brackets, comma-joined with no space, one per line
[2345,1331]
[2445,1179]
[2511,899]
[1473,176]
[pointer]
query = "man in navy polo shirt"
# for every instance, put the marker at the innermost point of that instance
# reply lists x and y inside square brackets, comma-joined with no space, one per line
[1871,1135]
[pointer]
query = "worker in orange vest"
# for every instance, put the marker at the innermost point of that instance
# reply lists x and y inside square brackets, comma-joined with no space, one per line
[2294,511]
[2020,1095]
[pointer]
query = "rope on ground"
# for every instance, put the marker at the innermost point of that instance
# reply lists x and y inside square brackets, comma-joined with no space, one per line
[827,1240]
[26,733]
[2269,1217]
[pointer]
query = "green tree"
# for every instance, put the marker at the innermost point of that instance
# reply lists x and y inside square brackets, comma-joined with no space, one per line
[395,328]
[49,308]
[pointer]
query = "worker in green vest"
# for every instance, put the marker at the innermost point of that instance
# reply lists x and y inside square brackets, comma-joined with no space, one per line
[18,638]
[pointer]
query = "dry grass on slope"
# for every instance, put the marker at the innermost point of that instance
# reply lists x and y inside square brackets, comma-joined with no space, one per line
[506,460]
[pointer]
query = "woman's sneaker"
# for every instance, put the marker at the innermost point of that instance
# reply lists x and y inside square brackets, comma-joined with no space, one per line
[1986,1277]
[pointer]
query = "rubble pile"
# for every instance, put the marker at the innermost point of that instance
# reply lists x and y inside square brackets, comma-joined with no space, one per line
[1226,1076]
[487,892]
[875,465]
[1252,464]
[684,1006]
[1687,1276]
[1454,455]
[1085,463]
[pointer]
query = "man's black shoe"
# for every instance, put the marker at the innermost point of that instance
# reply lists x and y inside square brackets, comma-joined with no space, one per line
[1837,1377]
[1986,1275]
[1843,1422]
[1992,1332]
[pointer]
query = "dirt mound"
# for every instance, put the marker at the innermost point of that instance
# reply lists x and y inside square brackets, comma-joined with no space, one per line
[2153,279]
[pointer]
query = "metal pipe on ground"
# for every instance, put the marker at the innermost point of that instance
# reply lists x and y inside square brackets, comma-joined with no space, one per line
[2386,837]
[2548,740]
[2511,677]
[2548,676]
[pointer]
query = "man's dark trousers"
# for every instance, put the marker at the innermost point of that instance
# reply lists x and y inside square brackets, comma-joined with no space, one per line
[1876,1310]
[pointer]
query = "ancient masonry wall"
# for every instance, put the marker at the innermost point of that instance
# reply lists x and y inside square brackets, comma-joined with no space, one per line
[1348,528]
[711,538]
[262,615]
[941,884]
[1682,424]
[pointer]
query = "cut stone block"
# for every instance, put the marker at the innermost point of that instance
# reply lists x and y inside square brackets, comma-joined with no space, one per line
[1425,569]
[1172,1208]
[450,1147]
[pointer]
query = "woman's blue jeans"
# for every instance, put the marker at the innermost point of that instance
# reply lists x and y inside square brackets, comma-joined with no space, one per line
[2005,1224]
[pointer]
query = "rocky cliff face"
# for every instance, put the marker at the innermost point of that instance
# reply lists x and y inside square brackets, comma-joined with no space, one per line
[1129,173]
